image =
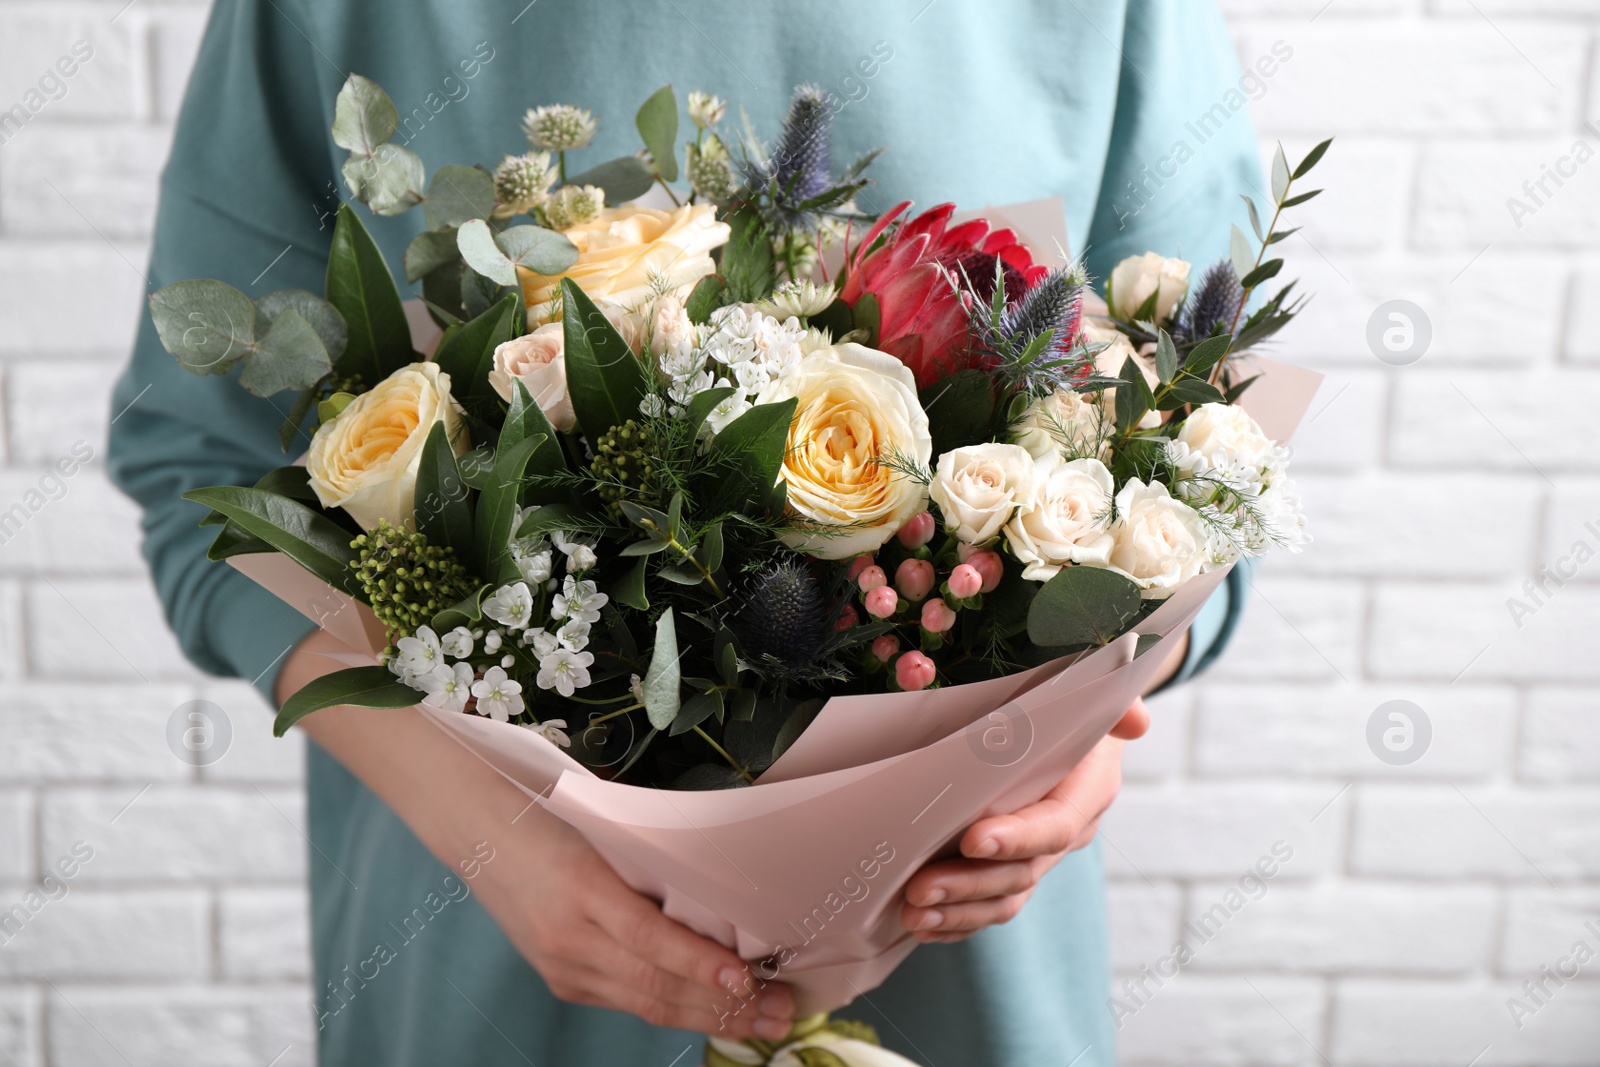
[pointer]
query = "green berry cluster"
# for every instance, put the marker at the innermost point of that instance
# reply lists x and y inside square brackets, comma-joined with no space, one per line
[407,580]
[350,383]
[624,461]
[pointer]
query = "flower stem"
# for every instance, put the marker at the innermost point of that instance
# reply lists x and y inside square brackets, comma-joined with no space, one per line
[724,754]
[675,201]
[614,714]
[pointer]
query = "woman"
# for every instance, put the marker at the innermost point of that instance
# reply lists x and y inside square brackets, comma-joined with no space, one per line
[452,922]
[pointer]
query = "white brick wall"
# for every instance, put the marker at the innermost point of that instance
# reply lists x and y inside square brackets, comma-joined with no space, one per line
[1418,898]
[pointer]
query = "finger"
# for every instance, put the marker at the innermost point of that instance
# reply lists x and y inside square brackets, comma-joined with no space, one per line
[1134,722]
[1087,837]
[705,1018]
[959,880]
[977,914]
[1051,826]
[928,937]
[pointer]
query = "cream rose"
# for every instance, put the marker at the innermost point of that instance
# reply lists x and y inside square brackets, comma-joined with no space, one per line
[1160,542]
[856,405]
[630,253]
[1065,420]
[659,324]
[1067,521]
[538,361]
[365,459]
[979,487]
[1135,278]
[1220,433]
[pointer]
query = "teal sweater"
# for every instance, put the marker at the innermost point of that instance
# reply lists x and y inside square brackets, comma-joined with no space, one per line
[978,103]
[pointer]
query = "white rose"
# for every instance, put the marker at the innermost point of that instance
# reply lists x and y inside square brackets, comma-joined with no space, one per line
[856,405]
[979,487]
[1066,521]
[1160,542]
[365,459]
[1135,278]
[661,324]
[1065,420]
[1224,433]
[538,361]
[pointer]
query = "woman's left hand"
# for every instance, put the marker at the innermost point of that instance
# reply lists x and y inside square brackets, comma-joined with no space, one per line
[1004,857]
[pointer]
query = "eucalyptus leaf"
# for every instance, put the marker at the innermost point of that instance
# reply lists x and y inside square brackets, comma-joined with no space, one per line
[1205,355]
[457,194]
[363,116]
[1166,358]
[1196,391]
[1280,174]
[323,316]
[359,687]
[1300,198]
[1255,218]
[290,356]
[1082,606]
[428,251]
[657,121]
[696,710]
[660,685]
[629,591]
[624,178]
[389,181]
[1265,272]
[497,256]
[208,325]
[1241,252]
[1312,157]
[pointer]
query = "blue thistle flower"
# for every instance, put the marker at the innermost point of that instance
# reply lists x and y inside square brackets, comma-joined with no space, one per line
[800,165]
[1215,303]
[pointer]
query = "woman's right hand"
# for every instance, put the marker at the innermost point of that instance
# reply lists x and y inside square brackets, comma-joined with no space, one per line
[592,938]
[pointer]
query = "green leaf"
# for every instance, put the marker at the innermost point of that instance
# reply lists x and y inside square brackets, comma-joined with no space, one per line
[1300,198]
[1241,252]
[1082,606]
[696,710]
[208,325]
[624,178]
[1255,219]
[231,540]
[748,454]
[360,286]
[444,516]
[497,256]
[1262,273]
[868,316]
[658,128]
[389,181]
[525,419]
[363,116]
[290,356]
[1166,358]
[1130,400]
[464,612]
[497,507]
[1280,174]
[428,251]
[1205,355]
[323,316]
[604,378]
[681,574]
[660,683]
[308,537]
[457,194]
[709,551]
[704,298]
[358,687]
[552,517]
[701,405]
[1196,391]
[1311,160]
[960,409]
[290,427]
[1237,389]
[1283,235]
[628,590]
[466,353]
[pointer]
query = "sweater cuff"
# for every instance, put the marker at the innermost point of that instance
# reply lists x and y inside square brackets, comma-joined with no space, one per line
[253,631]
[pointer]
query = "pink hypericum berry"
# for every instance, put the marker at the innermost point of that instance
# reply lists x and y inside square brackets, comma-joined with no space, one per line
[964,551]
[937,616]
[882,601]
[871,578]
[965,581]
[884,648]
[918,530]
[859,564]
[988,564]
[914,579]
[914,671]
[847,618]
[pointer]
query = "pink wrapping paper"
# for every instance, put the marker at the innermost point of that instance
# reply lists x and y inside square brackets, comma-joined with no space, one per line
[802,873]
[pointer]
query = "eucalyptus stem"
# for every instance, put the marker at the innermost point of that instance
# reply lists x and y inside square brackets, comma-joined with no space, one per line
[1233,327]
[674,196]
[614,714]
[724,754]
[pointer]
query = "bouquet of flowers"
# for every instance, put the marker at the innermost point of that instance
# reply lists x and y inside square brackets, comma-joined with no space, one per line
[669,504]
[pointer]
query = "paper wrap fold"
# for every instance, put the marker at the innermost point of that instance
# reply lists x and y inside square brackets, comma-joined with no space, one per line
[802,873]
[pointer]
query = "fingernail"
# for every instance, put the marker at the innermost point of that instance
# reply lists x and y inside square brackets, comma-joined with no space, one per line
[933,896]
[776,1005]
[986,848]
[930,919]
[771,1029]
[731,979]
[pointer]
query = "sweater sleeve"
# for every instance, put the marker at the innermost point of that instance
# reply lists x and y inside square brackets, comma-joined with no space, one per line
[243,199]
[1183,150]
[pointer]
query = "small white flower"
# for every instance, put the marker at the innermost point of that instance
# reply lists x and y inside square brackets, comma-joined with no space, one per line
[565,671]
[508,661]
[511,605]
[448,687]
[560,127]
[573,635]
[491,642]
[580,559]
[573,205]
[543,641]
[552,730]
[537,567]
[521,183]
[636,687]
[706,109]
[498,696]
[457,644]
[417,655]
[797,298]
[578,600]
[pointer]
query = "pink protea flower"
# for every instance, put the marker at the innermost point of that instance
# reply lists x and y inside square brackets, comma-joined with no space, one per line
[915,273]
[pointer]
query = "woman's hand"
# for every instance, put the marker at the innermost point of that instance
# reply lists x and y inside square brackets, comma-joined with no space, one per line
[1004,857]
[593,939]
